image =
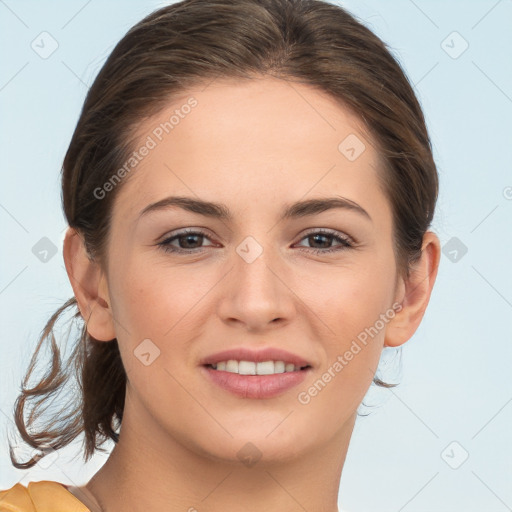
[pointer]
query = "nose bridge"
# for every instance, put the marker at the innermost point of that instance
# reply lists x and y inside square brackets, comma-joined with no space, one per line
[256,294]
[253,269]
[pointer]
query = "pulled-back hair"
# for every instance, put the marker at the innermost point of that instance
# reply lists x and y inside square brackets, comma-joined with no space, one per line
[180,46]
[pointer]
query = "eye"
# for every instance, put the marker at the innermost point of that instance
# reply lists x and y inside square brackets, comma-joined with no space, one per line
[188,240]
[325,238]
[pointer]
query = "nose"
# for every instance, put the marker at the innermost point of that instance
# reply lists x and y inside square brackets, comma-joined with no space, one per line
[255,294]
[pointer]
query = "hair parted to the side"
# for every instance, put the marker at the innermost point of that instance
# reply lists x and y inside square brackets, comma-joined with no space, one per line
[185,44]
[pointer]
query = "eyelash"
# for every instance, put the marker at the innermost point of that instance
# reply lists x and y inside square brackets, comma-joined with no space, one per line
[165,244]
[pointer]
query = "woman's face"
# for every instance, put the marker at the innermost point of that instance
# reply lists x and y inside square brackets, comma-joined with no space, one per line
[318,283]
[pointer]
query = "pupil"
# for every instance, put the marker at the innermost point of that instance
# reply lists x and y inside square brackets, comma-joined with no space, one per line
[320,236]
[188,238]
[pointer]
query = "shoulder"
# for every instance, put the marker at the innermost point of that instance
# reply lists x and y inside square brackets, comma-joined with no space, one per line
[38,497]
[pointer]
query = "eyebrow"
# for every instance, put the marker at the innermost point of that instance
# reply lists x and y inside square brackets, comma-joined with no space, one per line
[221,211]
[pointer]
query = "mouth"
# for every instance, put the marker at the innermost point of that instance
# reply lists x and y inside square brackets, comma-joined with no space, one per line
[259,374]
[256,367]
[255,380]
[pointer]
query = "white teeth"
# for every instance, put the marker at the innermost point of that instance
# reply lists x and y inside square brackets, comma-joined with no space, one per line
[232,366]
[247,368]
[265,368]
[253,368]
[279,367]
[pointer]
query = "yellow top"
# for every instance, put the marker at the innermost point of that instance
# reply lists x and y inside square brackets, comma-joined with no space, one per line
[43,496]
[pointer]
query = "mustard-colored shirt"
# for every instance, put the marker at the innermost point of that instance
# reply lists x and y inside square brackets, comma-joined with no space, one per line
[43,496]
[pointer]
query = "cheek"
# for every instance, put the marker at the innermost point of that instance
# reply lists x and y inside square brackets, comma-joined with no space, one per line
[350,299]
[151,300]
[336,390]
[355,303]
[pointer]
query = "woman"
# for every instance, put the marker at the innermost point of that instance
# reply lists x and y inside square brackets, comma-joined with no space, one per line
[248,190]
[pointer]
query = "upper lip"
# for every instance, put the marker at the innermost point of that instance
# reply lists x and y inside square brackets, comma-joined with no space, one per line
[264,354]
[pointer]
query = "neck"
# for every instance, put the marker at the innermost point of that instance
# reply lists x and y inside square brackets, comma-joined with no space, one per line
[153,471]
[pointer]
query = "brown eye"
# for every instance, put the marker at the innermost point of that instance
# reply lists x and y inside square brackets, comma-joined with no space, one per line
[188,241]
[325,239]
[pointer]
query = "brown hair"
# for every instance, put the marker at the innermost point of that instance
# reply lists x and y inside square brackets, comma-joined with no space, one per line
[182,45]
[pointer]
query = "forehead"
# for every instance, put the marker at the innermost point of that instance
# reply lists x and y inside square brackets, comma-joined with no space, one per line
[257,140]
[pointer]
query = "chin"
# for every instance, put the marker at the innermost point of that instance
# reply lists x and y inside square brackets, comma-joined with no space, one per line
[263,441]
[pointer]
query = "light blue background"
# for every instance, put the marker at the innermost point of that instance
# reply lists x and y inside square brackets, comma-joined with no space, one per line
[456,378]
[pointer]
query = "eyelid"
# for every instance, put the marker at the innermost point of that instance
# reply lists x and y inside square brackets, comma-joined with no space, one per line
[333,232]
[205,233]
[185,231]
[344,241]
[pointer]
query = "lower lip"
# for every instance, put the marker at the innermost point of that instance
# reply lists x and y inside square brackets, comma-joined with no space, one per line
[256,386]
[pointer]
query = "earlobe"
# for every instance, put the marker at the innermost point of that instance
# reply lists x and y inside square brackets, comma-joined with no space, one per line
[415,293]
[89,286]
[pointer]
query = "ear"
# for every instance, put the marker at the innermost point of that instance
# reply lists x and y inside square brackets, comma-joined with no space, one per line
[89,286]
[414,293]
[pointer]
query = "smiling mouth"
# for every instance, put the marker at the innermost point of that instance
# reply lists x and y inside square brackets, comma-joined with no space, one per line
[256,368]
[256,379]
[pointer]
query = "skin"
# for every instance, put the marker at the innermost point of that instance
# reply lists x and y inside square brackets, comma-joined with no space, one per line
[255,146]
